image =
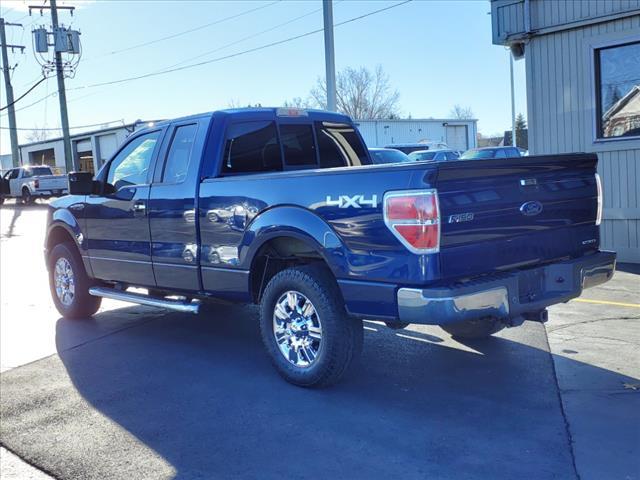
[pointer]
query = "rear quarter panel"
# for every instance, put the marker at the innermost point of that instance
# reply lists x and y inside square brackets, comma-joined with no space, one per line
[319,205]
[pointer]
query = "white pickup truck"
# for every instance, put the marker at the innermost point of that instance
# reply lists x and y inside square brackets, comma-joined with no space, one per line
[31,182]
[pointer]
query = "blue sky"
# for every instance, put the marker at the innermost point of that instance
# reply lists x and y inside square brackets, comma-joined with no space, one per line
[437,54]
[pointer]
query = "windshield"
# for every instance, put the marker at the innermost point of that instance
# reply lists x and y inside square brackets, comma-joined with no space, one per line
[420,156]
[476,154]
[388,156]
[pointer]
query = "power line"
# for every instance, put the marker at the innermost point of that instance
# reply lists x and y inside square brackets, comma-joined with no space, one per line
[23,95]
[71,128]
[222,47]
[191,30]
[171,70]
[237,54]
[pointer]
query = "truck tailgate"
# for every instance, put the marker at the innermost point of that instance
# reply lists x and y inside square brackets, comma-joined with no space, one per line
[501,214]
[52,182]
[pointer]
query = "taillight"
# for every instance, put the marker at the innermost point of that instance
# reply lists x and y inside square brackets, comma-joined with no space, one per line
[36,183]
[600,200]
[413,217]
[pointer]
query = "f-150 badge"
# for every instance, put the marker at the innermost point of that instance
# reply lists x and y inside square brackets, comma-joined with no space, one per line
[355,201]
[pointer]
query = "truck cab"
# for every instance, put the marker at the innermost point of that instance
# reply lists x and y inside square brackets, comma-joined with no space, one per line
[284,208]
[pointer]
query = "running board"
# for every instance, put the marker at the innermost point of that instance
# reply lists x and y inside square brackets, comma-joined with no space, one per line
[175,305]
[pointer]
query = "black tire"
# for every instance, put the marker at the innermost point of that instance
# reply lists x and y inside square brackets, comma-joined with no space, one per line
[474,329]
[27,198]
[396,325]
[341,336]
[82,304]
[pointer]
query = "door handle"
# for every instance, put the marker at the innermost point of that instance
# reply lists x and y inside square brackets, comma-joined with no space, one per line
[139,208]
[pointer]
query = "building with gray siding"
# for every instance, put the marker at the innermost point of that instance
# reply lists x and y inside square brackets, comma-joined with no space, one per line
[583,94]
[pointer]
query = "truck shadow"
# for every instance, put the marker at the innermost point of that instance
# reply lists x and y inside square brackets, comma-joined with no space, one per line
[200,392]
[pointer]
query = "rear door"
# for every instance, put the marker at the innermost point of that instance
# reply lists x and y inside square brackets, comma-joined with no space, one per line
[119,243]
[501,214]
[173,222]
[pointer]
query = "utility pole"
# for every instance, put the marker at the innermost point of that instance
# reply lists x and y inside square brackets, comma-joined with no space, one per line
[62,95]
[65,41]
[513,103]
[13,132]
[329,54]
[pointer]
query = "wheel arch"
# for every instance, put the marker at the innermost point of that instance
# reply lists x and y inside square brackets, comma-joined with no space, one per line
[291,236]
[64,228]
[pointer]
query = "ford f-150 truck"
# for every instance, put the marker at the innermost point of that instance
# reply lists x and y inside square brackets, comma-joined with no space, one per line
[282,207]
[31,182]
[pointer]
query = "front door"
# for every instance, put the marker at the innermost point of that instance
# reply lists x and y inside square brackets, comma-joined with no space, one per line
[117,225]
[172,208]
[14,182]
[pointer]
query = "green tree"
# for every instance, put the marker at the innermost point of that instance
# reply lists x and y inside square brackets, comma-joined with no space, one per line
[522,139]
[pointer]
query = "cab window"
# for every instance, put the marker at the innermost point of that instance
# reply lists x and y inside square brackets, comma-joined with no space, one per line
[252,147]
[179,155]
[340,146]
[131,165]
[298,146]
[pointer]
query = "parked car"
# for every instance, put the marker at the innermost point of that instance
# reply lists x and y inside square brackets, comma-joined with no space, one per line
[31,182]
[412,147]
[434,155]
[387,155]
[490,152]
[283,208]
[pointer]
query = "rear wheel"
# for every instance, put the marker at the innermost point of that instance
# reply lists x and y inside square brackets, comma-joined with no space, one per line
[27,198]
[69,283]
[473,329]
[306,331]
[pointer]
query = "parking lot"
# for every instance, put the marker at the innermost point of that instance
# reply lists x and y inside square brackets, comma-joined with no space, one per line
[136,392]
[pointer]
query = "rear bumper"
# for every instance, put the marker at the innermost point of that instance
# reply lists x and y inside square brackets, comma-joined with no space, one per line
[51,193]
[508,296]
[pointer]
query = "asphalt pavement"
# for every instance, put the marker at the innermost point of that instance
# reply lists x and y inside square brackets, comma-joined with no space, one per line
[136,392]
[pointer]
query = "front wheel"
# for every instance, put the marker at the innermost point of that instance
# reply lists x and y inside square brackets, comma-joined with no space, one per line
[474,329]
[305,329]
[70,284]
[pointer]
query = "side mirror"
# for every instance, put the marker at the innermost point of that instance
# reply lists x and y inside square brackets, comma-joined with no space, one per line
[81,183]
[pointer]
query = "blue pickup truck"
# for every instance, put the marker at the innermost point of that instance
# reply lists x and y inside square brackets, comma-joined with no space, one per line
[284,208]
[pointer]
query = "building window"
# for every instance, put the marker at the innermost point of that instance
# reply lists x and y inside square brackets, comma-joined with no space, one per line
[618,91]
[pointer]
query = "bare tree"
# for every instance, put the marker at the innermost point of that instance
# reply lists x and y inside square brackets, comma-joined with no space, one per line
[361,94]
[461,113]
[298,102]
[37,135]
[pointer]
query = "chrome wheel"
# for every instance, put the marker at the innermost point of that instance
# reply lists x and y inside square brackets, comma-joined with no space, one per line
[64,281]
[297,329]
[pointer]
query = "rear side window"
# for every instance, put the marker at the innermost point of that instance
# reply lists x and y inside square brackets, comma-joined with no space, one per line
[500,154]
[340,146]
[179,155]
[252,147]
[298,145]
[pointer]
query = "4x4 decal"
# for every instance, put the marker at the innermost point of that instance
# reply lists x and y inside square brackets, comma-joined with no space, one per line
[355,201]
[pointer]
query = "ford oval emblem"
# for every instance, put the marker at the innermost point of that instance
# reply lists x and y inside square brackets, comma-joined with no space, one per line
[531,208]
